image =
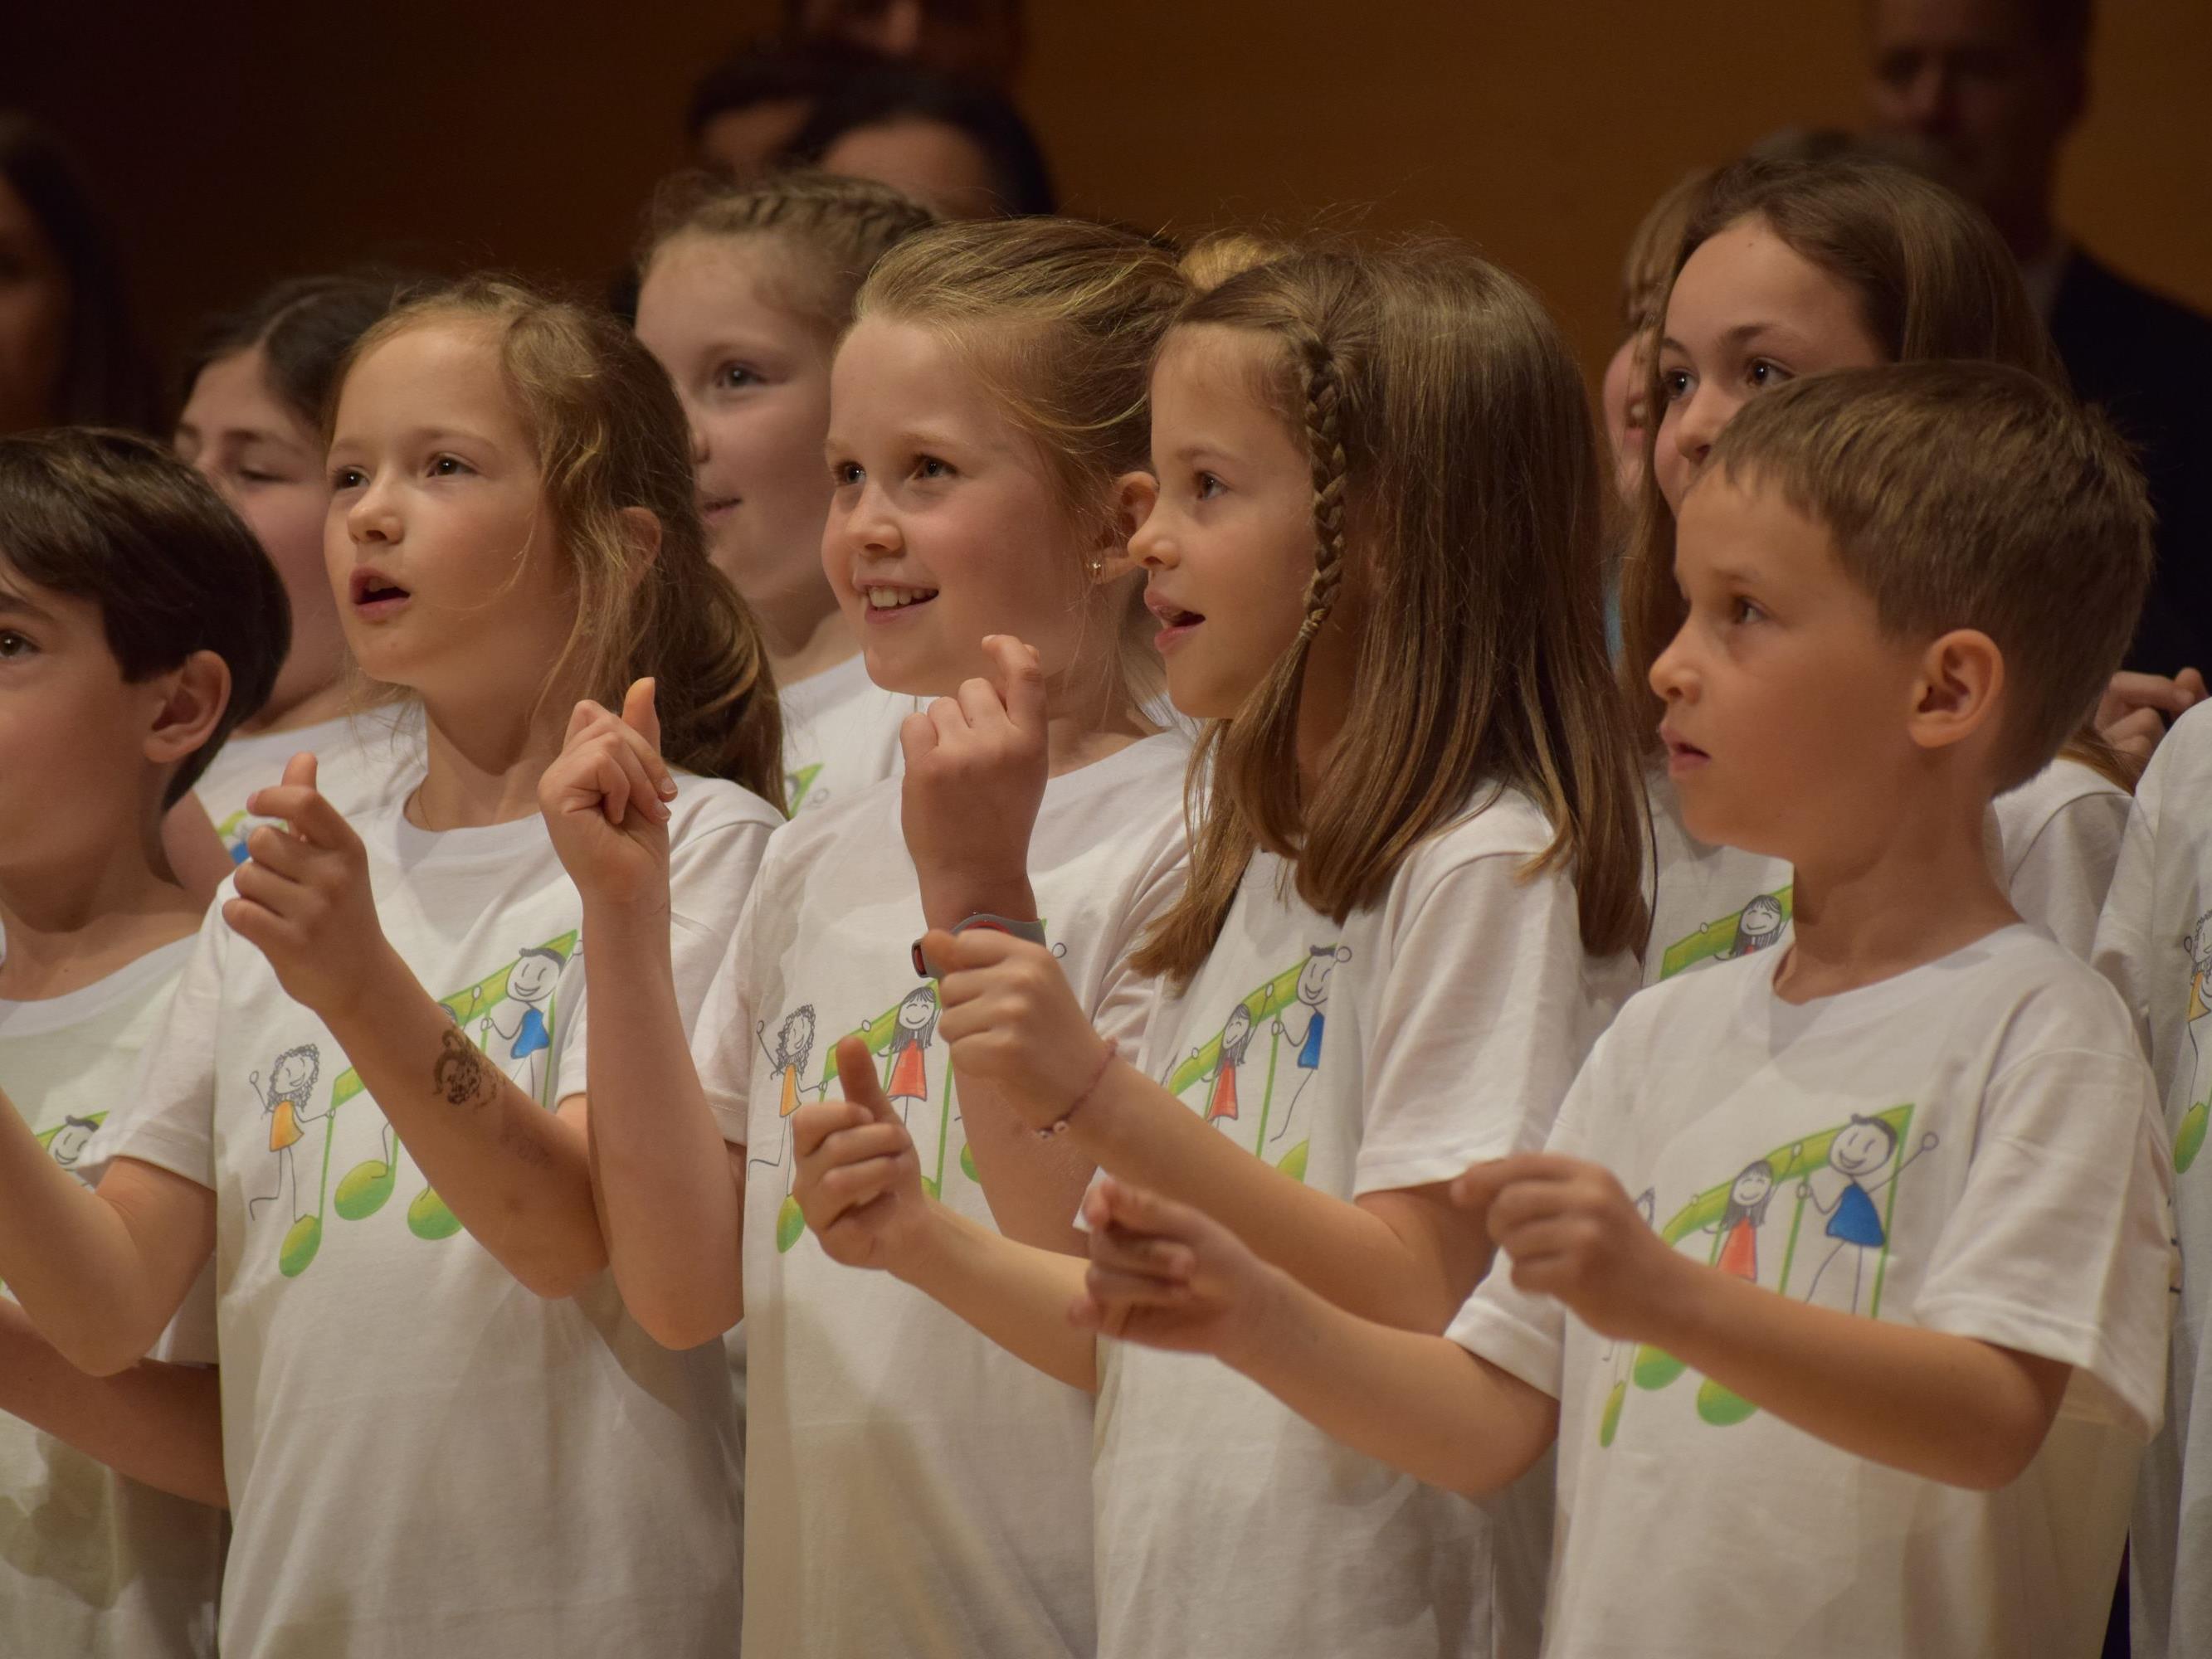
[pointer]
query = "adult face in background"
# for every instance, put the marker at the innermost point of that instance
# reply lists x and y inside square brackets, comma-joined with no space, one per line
[980,40]
[1990,88]
[34,318]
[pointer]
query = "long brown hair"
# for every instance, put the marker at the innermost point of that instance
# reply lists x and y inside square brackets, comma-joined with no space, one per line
[1456,492]
[611,436]
[1934,281]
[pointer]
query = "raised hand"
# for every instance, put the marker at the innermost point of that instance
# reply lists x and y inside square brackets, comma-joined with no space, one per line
[1169,1276]
[1012,1019]
[304,900]
[1574,1234]
[2133,713]
[975,767]
[858,1179]
[605,800]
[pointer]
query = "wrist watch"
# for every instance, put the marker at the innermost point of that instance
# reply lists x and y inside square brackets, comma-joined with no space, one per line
[1031,931]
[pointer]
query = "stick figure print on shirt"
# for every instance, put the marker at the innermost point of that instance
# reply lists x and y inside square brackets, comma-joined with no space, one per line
[68,1142]
[1738,1228]
[284,1102]
[1305,1019]
[915,1030]
[1860,1149]
[519,1023]
[1757,926]
[787,1060]
[1235,1039]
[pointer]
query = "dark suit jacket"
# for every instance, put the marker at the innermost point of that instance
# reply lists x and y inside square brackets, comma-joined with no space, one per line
[2147,361]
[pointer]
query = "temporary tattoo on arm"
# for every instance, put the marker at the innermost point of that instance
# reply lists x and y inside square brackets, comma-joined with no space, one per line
[462,1074]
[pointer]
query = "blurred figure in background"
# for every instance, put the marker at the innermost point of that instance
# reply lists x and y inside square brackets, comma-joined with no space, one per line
[1992,88]
[746,110]
[973,39]
[69,355]
[958,147]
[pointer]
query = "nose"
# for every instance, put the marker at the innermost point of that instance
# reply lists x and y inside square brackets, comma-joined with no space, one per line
[370,517]
[225,485]
[1674,675]
[699,449]
[1929,97]
[1700,423]
[869,529]
[1152,547]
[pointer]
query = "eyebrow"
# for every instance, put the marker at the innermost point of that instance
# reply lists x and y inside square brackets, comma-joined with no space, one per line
[1737,335]
[13,603]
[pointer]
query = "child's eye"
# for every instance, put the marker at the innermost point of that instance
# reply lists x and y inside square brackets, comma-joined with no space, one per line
[449,466]
[1742,610]
[847,473]
[1764,374]
[1675,383]
[248,475]
[1208,486]
[347,477]
[14,645]
[734,377]
[928,467]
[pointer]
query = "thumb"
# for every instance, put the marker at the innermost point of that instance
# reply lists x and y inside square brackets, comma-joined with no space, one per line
[641,710]
[300,771]
[1019,680]
[857,1080]
[1479,1186]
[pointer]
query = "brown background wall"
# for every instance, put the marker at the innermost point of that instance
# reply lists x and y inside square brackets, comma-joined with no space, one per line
[239,143]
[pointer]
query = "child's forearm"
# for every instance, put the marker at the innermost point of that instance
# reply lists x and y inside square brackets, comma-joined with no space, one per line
[1033,1186]
[1418,1402]
[75,1262]
[671,1190]
[1016,1294]
[159,1424]
[516,1175]
[1139,1133]
[1949,1408]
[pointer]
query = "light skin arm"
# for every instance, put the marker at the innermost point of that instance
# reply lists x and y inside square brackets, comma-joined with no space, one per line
[859,1185]
[517,1175]
[100,1273]
[157,1424]
[671,1193]
[975,768]
[1405,1258]
[1947,1408]
[1166,1275]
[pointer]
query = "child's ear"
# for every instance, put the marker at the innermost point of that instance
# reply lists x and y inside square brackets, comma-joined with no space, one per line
[641,529]
[1133,496]
[1960,682]
[193,696]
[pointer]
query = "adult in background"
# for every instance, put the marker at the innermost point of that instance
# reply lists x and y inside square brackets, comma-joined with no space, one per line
[958,147]
[69,355]
[973,39]
[1993,88]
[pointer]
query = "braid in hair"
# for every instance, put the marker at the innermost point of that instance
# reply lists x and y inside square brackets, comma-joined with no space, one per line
[1325,449]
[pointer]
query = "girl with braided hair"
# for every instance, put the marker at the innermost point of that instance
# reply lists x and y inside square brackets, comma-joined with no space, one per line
[1374,556]
[744,290]
[910,1488]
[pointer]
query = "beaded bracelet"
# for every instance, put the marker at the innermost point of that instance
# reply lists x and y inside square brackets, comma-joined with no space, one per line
[1059,1125]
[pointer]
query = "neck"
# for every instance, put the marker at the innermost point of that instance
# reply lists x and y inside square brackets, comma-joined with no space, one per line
[1088,716]
[1926,889]
[71,923]
[805,636]
[485,761]
[325,701]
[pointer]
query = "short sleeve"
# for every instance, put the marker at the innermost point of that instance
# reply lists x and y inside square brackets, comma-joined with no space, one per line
[1487,1010]
[2060,879]
[1127,997]
[722,1041]
[709,878]
[2122,952]
[1520,1333]
[2060,1243]
[169,1120]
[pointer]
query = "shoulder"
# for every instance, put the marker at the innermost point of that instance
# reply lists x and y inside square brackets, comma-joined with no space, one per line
[2096,303]
[705,806]
[1497,822]
[2036,997]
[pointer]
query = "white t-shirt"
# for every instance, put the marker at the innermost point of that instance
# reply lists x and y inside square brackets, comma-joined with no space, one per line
[362,762]
[2052,842]
[912,1489]
[2156,944]
[840,733]
[1456,1011]
[1971,1147]
[423,1457]
[90,1562]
